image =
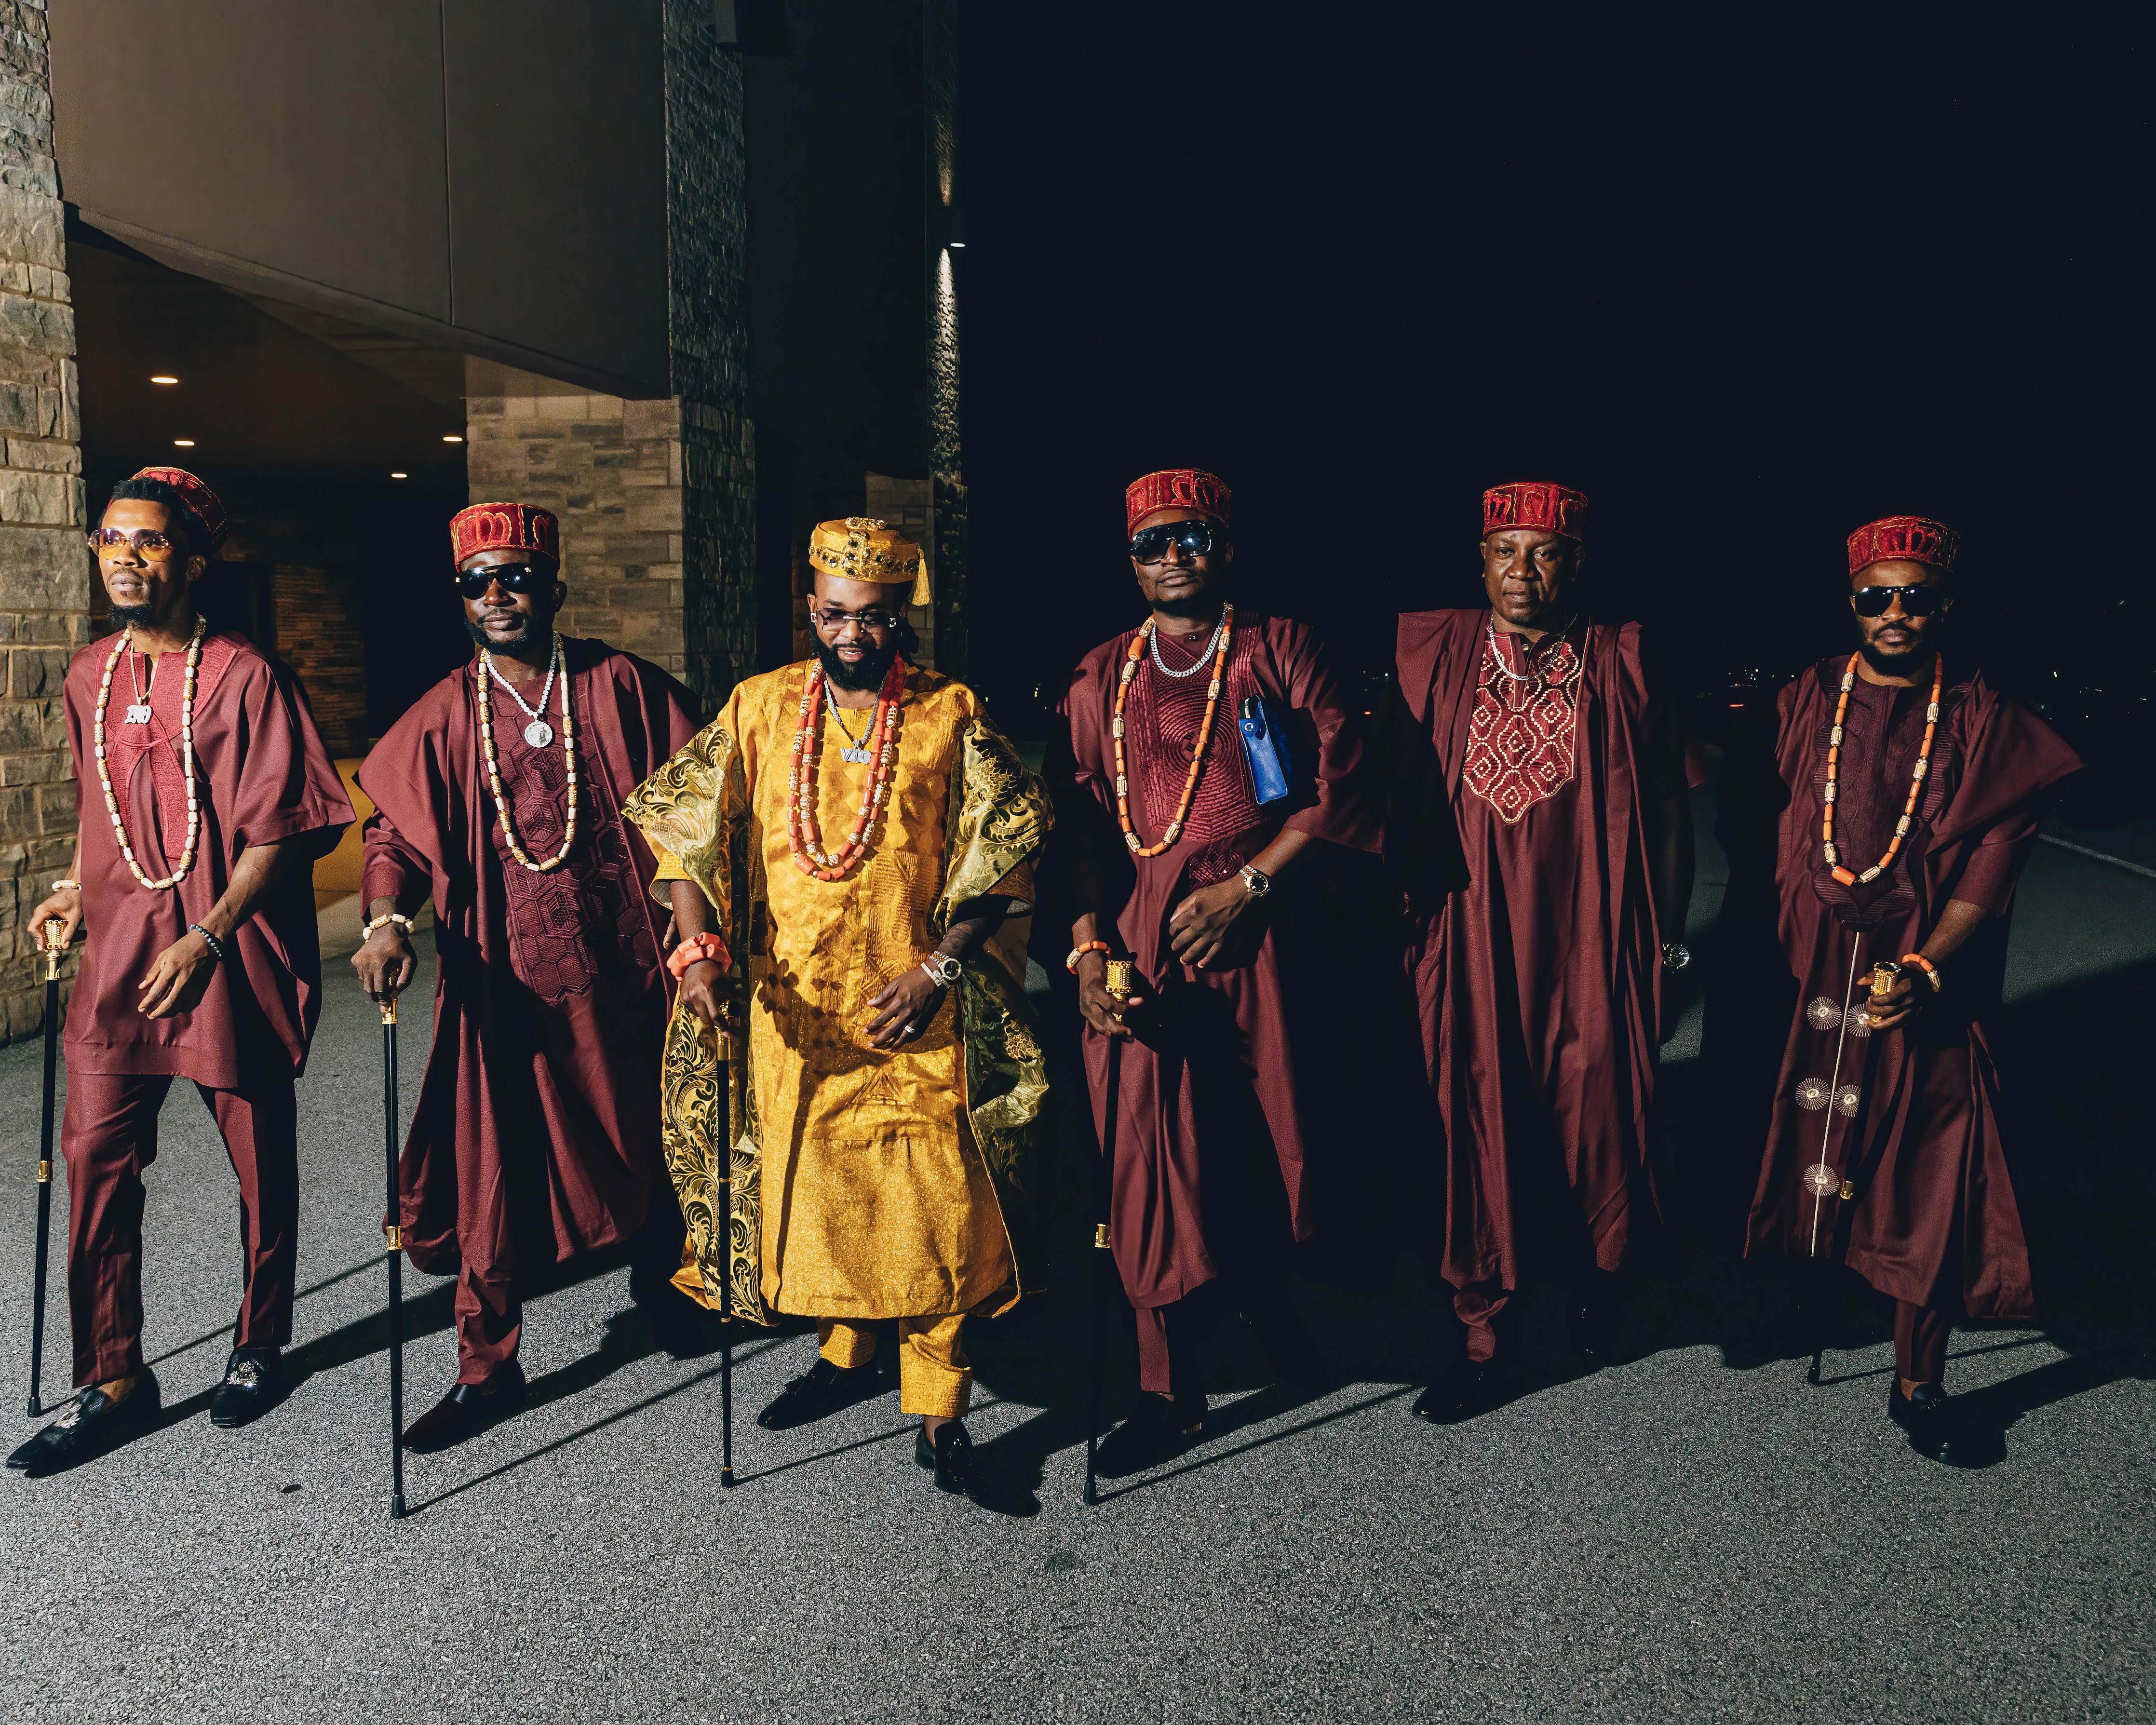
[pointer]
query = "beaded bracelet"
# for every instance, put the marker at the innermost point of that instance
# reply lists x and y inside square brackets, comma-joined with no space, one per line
[1080,951]
[67,886]
[216,945]
[367,928]
[1930,971]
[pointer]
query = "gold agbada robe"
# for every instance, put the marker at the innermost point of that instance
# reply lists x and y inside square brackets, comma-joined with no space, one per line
[862,1183]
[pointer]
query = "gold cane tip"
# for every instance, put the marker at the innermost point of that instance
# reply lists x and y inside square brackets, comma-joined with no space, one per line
[1100,1236]
[389,1010]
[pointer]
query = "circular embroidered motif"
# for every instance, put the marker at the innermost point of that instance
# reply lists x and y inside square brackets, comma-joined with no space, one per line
[1859,1022]
[1848,1100]
[1821,1181]
[1811,1094]
[1822,1014]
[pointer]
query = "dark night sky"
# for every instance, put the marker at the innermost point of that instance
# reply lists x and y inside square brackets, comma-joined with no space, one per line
[1746,289]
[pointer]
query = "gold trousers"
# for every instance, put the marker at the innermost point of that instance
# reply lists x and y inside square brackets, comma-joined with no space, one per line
[933,1378]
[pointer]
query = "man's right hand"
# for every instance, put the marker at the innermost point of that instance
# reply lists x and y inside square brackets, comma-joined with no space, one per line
[699,989]
[385,964]
[63,906]
[1095,1004]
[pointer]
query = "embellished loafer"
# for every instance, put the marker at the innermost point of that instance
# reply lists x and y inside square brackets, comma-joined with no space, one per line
[1162,1430]
[254,1382]
[1926,1417]
[468,1408]
[88,1426]
[822,1389]
[1472,1386]
[950,1455]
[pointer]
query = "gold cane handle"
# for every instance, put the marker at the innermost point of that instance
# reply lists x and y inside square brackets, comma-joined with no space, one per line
[1120,978]
[55,945]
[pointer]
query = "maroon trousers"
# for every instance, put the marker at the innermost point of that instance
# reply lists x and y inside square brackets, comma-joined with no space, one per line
[109,1136]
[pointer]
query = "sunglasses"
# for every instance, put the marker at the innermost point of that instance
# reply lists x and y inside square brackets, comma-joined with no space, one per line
[146,540]
[515,578]
[875,622]
[1915,601]
[1197,538]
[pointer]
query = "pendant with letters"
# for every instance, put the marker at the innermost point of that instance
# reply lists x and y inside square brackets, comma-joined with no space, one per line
[138,714]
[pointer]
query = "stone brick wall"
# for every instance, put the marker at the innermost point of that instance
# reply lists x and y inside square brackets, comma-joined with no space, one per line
[612,470]
[45,570]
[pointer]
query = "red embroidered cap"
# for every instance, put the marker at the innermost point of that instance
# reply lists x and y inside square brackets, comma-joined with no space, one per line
[1913,537]
[1534,503]
[504,527]
[201,502]
[1176,488]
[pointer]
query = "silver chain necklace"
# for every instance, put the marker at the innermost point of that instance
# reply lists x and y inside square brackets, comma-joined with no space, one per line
[853,749]
[1205,655]
[1578,662]
[538,733]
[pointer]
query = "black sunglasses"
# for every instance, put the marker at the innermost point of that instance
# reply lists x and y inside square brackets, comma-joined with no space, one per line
[1915,601]
[515,578]
[1197,538]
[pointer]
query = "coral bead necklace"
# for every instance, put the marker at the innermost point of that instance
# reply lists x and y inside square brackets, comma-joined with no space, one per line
[803,840]
[186,759]
[1223,634]
[1845,876]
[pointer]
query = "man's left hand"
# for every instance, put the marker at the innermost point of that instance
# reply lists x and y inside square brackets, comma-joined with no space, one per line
[178,978]
[1198,931]
[1909,995]
[909,1002]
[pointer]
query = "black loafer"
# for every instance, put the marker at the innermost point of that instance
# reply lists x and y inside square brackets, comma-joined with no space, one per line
[950,1455]
[1162,1429]
[90,1425]
[1927,1417]
[822,1389]
[466,1410]
[1472,1386]
[254,1382]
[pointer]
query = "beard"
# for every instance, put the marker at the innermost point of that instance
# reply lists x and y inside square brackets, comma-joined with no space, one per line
[132,617]
[538,630]
[1901,661]
[869,672]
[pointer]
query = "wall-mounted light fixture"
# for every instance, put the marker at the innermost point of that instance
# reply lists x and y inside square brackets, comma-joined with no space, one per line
[162,379]
[400,476]
[184,443]
[451,437]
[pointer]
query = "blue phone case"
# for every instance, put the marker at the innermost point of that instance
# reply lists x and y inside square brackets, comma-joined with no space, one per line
[1264,746]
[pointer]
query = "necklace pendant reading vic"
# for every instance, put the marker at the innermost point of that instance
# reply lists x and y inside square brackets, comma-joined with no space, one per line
[137,715]
[539,733]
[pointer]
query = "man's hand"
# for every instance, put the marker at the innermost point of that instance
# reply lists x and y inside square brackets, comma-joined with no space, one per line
[1095,1004]
[178,978]
[64,906]
[385,964]
[1198,931]
[909,1002]
[700,990]
[1910,993]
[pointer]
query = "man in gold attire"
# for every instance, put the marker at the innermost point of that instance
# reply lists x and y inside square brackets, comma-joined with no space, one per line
[840,848]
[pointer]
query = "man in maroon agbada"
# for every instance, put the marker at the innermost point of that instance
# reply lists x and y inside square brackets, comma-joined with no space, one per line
[208,794]
[499,795]
[1884,820]
[1541,834]
[1217,1114]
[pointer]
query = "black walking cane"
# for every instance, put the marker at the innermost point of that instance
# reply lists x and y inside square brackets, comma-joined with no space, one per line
[726,1222]
[394,1231]
[1119,986]
[55,944]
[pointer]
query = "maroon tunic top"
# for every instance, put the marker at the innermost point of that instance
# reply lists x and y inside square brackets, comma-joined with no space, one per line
[536,1136]
[1533,946]
[263,778]
[1228,1057]
[1909,1117]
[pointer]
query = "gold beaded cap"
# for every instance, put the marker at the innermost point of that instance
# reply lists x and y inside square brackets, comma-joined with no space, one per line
[859,549]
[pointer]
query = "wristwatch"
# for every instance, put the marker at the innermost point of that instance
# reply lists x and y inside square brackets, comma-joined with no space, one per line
[942,971]
[1256,882]
[1675,955]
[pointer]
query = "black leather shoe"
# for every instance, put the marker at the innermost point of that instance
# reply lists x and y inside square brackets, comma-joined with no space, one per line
[1160,1430]
[466,1410]
[91,1423]
[822,1389]
[254,1382]
[950,1455]
[1471,1388]
[1928,1417]
[681,1327]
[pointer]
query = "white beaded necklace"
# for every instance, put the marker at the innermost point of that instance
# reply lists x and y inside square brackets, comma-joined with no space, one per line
[186,758]
[494,771]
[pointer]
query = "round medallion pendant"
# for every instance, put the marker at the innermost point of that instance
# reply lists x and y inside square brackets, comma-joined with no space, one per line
[1821,1181]
[538,733]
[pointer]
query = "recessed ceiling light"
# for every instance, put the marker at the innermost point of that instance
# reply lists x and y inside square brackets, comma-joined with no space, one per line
[184,443]
[400,476]
[164,380]
[451,438]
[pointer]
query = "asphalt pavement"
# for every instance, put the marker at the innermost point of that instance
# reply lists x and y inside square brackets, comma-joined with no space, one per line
[1664,1538]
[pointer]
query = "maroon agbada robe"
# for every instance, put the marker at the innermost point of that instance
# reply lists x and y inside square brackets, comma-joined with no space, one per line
[267,778]
[1224,1059]
[1535,951]
[1908,1118]
[536,1136]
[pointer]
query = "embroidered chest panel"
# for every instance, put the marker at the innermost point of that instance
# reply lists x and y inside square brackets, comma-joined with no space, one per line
[1522,735]
[1161,722]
